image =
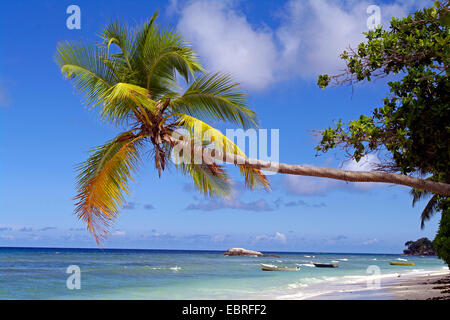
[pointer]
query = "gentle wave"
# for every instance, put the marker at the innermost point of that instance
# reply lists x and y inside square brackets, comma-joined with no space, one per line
[305,265]
[297,285]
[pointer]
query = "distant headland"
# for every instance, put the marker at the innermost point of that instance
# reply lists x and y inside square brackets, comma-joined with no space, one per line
[420,247]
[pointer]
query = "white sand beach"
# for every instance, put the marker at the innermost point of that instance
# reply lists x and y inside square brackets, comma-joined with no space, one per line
[427,286]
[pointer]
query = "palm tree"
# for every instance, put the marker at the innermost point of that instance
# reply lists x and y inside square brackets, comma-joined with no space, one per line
[131,77]
[432,206]
[136,85]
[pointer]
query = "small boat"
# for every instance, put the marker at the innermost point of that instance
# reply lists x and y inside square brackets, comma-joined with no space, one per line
[393,263]
[271,267]
[325,265]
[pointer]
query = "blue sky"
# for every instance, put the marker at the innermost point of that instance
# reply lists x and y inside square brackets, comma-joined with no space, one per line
[276,50]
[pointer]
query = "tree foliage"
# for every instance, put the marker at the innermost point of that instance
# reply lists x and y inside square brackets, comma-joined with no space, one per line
[420,246]
[441,242]
[132,77]
[412,126]
[413,122]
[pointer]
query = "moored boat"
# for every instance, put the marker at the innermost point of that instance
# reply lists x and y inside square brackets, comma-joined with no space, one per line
[325,265]
[393,263]
[271,267]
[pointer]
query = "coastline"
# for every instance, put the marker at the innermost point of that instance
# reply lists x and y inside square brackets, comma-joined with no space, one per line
[432,285]
[178,275]
[428,287]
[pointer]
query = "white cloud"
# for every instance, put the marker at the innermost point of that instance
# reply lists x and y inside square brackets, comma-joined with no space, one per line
[303,185]
[315,32]
[227,42]
[370,242]
[218,238]
[234,203]
[280,237]
[277,237]
[308,186]
[307,42]
[369,162]
[173,7]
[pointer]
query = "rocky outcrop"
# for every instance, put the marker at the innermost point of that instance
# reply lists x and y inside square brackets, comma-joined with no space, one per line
[245,252]
[421,247]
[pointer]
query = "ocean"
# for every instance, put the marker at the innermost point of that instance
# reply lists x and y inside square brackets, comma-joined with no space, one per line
[41,273]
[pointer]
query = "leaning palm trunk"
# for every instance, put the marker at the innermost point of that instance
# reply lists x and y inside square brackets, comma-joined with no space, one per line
[208,155]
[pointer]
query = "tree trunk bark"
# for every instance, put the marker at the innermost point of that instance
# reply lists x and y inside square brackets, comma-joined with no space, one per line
[207,154]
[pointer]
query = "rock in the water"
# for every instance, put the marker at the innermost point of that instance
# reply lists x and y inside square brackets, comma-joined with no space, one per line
[245,252]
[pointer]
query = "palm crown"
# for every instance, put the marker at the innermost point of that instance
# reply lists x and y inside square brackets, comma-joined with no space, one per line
[433,204]
[131,77]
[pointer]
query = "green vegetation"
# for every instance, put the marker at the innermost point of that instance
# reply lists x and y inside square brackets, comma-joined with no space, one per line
[422,246]
[442,241]
[412,126]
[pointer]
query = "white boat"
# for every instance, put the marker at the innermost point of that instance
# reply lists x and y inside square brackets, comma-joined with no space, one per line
[271,267]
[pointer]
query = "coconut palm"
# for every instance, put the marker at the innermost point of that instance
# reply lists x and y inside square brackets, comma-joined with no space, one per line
[432,206]
[131,77]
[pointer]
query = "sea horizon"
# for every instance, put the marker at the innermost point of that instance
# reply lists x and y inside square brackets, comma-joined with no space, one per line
[201,250]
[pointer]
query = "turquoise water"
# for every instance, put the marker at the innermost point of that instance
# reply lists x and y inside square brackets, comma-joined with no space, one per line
[35,273]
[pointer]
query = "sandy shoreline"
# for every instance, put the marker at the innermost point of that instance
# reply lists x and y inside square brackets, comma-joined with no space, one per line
[426,286]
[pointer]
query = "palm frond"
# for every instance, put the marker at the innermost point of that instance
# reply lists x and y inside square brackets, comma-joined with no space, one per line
[119,34]
[103,181]
[141,34]
[432,205]
[215,97]
[201,131]
[123,98]
[132,74]
[418,195]
[163,54]
[429,210]
[84,65]
[209,179]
